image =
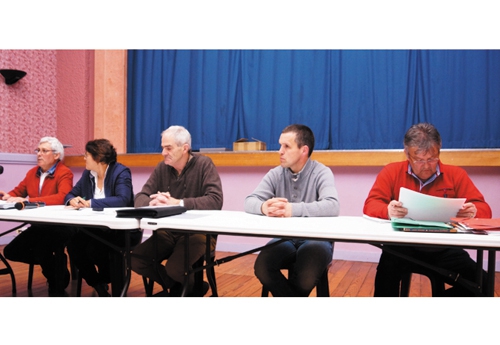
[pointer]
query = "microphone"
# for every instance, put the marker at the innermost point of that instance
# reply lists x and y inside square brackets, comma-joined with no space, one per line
[25,205]
[1,170]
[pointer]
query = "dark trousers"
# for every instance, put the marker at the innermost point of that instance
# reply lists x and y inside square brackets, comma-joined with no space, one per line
[43,245]
[391,268]
[168,246]
[93,258]
[309,259]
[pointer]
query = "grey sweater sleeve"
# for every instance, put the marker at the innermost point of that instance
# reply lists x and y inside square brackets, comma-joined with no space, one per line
[264,191]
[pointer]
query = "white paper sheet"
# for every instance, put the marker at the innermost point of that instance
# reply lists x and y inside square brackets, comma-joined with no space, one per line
[5,205]
[429,208]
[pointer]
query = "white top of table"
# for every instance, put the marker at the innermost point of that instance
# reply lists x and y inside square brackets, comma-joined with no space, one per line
[345,229]
[62,215]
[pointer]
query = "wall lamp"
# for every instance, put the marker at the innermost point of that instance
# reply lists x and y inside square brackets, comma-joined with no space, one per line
[12,76]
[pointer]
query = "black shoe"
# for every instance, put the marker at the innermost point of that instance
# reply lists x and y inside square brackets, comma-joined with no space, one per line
[163,293]
[198,293]
[176,290]
[204,289]
[102,290]
[57,286]
[57,293]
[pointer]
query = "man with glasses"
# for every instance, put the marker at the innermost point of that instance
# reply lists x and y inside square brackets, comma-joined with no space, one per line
[422,172]
[48,182]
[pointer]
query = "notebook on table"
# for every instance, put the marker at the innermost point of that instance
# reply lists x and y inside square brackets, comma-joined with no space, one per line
[150,211]
[410,225]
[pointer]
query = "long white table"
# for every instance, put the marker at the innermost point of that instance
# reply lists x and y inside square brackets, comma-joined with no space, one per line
[106,219]
[341,229]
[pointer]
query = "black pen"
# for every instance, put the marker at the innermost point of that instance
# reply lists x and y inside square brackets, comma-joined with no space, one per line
[81,203]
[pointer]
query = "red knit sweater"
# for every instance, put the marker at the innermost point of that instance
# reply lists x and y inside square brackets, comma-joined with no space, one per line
[54,189]
[453,182]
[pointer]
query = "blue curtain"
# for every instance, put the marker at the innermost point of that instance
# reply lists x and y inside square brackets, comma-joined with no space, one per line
[352,99]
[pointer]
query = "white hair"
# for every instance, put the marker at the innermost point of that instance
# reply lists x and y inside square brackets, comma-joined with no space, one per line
[180,135]
[55,145]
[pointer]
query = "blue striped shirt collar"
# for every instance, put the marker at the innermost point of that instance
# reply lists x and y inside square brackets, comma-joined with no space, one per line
[429,181]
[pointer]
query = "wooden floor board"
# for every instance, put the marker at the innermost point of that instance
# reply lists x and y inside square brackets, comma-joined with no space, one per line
[234,279]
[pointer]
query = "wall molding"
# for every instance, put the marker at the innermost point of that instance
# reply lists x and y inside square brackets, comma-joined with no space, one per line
[459,157]
[18,158]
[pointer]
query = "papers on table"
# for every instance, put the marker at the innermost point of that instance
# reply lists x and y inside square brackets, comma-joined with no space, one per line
[424,207]
[492,224]
[410,225]
[6,205]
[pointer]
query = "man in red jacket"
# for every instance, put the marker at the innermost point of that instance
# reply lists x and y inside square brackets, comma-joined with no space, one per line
[49,182]
[423,172]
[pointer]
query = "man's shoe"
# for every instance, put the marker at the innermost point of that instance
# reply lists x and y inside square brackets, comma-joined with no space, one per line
[57,293]
[203,292]
[102,290]
[163,293]
[204,289]
[176,290]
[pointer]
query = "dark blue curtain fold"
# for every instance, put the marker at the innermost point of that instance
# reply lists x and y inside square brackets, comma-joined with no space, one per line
[373,99]
[461,95]
[195,89]
[352,99]
[281,87]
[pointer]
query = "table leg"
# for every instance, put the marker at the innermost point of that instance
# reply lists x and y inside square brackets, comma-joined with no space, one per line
[479,269]
[187,268]
[210,277]
[490,289]
[120,263]
[128,265]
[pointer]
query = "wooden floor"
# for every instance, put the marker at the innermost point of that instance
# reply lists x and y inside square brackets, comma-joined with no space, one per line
[234,279]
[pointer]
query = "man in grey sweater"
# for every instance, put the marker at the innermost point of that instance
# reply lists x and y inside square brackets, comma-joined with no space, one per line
[299,187]
[181,179]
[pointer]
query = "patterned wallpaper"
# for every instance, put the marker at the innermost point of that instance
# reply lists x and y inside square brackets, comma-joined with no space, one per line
[28,109]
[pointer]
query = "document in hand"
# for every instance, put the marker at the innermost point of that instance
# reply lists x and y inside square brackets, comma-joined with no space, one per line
[410,225]
[429,208]
[150,211]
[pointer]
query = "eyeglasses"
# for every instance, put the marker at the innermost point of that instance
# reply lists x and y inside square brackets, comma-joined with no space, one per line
[43,151]
[420,162]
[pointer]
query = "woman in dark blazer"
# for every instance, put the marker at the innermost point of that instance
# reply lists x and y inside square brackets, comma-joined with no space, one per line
[104,183]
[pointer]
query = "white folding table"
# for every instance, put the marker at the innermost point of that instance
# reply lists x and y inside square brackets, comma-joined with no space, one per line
[86,217]
[342,229]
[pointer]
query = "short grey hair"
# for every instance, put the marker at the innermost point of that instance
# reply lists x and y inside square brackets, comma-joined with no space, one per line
[55,145]
[180,134]
[424,136]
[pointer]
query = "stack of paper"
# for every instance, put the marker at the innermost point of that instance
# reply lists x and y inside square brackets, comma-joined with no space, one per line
[406,224]
[424,207]
[491,224]
[6,205]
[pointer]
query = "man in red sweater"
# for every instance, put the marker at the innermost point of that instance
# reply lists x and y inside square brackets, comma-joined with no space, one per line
[49,182]
[423,172]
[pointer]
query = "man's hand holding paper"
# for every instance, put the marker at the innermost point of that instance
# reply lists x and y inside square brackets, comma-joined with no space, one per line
[395,209]
[468,210]
[430,208]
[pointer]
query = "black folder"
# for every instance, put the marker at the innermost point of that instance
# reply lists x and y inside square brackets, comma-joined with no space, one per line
[150,212]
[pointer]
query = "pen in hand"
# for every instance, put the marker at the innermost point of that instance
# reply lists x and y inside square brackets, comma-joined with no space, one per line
[80,202]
